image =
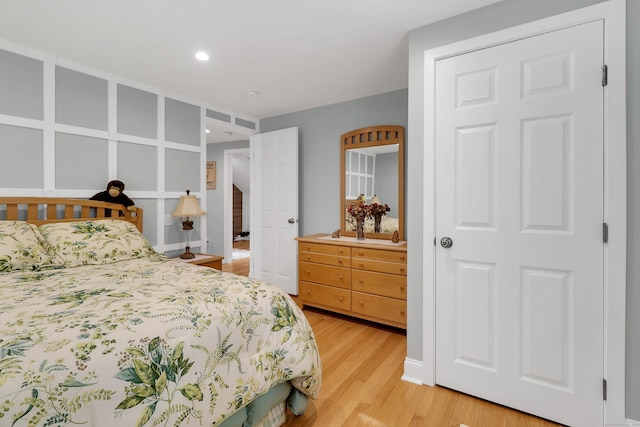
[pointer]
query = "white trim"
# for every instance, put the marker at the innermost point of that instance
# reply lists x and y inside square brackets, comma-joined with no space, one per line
[183,147]
[413,371]
[23,122]
[112,127]
[48,126]
[629,422]
[613,14]
[162,205]
[228,201]
[131,139]
[203,178]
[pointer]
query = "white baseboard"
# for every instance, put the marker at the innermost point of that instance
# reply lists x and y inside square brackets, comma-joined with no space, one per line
[413,371]
[631,423]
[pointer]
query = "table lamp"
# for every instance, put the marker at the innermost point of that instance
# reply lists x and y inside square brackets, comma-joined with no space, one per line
[187,207]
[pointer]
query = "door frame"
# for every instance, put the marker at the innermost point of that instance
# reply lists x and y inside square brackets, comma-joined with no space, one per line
[228,200]
[613,12]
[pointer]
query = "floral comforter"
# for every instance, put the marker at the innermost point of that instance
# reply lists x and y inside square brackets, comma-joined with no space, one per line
[145,341]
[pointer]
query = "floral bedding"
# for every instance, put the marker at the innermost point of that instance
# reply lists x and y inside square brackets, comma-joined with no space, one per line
[387,225]
[141,340]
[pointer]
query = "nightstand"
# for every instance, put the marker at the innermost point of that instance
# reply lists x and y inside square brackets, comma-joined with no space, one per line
[204,260]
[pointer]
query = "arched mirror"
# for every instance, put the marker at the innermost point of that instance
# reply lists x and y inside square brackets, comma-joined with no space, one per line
[372,167]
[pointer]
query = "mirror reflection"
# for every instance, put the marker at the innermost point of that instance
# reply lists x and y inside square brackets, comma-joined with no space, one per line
[372,161]
[371,176]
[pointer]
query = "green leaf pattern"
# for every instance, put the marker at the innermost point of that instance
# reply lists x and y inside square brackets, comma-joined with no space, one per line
[145,341]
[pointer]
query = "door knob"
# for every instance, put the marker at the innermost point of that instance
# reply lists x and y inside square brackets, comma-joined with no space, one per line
[446,242]
[291,221]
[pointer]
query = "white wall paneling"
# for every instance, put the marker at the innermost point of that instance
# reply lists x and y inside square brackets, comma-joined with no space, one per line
[146,185]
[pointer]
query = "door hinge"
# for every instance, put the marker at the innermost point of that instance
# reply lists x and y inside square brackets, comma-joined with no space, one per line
[604,389]
[605,75]
[605,232]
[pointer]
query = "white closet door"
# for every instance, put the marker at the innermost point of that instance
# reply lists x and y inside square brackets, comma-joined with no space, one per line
[519,191]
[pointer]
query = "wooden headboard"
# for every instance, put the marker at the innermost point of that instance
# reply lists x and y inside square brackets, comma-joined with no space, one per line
[43,210]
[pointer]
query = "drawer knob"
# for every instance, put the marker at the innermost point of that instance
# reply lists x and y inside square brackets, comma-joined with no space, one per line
[308,292]
[402,312]
[361,281]
[361,264]
[401,257]
[340,277]
[340,261]
[340,251]
[308,247]
[308,257]
[360,253]
[402,288]
[308,272]
[402,269]
[340,298]
[361,302]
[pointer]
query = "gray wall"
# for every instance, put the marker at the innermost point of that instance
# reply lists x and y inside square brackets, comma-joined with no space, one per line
[319,150]
[215,198]
[509,13]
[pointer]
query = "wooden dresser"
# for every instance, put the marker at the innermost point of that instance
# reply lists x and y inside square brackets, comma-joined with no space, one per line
[359,279]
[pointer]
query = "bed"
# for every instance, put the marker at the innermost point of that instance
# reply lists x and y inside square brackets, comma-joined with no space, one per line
[387,224]
[98,329]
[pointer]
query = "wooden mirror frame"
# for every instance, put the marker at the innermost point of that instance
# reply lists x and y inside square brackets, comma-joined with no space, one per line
[371,137]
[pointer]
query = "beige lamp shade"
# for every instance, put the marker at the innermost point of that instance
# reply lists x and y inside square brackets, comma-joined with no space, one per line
[375,199]
[188,206]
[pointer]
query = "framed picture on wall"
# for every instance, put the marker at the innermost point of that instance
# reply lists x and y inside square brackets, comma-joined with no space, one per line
[211,175]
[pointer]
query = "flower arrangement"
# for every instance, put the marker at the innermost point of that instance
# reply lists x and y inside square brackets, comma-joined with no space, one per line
[362,210]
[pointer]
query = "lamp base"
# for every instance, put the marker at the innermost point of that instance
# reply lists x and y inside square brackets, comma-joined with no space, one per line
[187,253]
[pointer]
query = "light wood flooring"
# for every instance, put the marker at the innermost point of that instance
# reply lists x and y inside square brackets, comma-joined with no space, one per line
[240,266]
[362,386]
[363,365]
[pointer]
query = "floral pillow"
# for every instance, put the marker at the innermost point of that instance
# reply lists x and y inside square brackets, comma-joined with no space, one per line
[22,247]
[95,242]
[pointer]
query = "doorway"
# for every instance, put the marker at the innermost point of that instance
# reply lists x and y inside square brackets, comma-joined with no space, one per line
[237,233]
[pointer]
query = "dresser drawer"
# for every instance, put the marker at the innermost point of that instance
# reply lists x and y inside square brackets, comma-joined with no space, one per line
[381,266]
[389,309]
[389,285]
[325,249]
[325,274]
[380,254]
[325,296]
[320,258]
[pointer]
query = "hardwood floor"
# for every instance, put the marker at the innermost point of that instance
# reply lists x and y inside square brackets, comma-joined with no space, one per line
[240,266]
[362,386]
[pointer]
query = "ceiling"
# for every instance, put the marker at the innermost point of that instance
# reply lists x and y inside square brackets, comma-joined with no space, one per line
[296,54]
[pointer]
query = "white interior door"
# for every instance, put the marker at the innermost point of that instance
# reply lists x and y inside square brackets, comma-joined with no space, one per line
[274,205]
[519,191]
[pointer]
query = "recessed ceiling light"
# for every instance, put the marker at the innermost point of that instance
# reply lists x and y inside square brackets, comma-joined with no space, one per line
[207,131]
[252,93]
[202,56]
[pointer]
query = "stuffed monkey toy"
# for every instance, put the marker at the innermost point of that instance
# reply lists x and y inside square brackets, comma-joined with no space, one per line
[114,194]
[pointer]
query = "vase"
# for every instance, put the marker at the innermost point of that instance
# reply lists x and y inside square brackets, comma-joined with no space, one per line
[377,219]
[360,228]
